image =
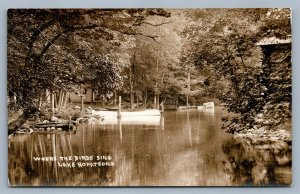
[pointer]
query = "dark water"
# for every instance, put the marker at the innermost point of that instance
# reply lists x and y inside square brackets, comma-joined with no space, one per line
[184,148]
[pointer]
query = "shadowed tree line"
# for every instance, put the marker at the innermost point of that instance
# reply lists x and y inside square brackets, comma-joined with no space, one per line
[247,80]
[57,50]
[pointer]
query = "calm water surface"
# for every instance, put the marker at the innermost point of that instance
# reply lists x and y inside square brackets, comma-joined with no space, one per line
[183,148]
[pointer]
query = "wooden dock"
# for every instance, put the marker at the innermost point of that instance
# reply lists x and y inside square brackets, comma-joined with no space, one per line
[52,126]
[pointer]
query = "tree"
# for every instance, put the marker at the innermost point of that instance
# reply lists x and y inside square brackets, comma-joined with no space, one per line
[41,55]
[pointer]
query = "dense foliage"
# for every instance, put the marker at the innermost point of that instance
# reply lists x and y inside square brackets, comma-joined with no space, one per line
[244,83]
[54,50]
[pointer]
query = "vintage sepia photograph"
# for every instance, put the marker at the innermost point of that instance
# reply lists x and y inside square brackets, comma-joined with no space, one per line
[149,97]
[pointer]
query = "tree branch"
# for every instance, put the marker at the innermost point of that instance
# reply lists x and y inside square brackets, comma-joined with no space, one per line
[36,32]
[70,29]
[50,43]
[153,37]
[148,23]
[145,35]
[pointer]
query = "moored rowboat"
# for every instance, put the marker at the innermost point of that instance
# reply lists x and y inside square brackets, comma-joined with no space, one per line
[114,114]
[139,120]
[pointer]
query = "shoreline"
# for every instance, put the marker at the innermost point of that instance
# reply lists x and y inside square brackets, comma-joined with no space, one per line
[278,142]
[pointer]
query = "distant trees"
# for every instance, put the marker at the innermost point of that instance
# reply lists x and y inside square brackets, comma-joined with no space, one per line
[151,76]
[221,42]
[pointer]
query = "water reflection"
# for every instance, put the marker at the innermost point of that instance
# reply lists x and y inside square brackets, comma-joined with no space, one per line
[186,148]
[248,165]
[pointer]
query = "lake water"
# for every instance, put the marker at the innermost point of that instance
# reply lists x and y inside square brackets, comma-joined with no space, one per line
[183,148]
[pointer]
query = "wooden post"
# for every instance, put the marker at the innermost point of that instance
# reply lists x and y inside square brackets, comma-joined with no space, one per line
[81,107]
[162,107]
[70,122]
[119,107]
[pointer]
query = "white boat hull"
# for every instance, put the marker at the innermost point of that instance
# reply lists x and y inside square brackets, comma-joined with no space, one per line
[141,120]
[114,114]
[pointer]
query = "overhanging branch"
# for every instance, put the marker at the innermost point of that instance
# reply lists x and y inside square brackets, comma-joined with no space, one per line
[148,36]
[160,24]
[153,37]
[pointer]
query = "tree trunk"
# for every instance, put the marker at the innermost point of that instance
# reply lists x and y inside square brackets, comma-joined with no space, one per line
[69,98]
[155,96]
[40,100]
[131,82]
[119,107]
[62,97]
[65,100]
[187,100]
[188,87]
[13,126]
[115,100]
[92,95]
[145,99]
[157,102]
[60,101]
[51,105]
[55,100]
[131,90]
[131,97]
[103,100]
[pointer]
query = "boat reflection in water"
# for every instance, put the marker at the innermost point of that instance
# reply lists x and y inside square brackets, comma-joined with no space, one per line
[180,148]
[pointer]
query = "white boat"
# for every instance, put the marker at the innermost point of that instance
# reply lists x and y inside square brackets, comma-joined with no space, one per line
[209,105]
[144,117]
[114,114]
[186,107]
[139,120]
[200,107]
